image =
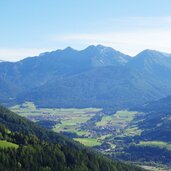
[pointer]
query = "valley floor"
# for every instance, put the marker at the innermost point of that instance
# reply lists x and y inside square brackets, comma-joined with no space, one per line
[108,133]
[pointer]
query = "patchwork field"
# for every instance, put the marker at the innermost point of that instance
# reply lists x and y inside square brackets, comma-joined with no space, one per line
[62,120]
[89,126]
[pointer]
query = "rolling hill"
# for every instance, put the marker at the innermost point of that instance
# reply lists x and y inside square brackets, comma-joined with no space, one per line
[156,122]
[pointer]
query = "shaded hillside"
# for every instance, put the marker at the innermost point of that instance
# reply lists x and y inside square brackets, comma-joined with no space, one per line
[162,105]
[118,87]
[156,120]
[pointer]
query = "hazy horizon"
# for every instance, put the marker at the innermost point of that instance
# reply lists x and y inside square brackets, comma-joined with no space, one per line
[48,51]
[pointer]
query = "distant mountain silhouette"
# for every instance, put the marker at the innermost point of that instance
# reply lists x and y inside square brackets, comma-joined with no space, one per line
[97,76]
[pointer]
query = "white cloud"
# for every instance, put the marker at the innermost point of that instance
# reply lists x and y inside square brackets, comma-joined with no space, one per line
[128,34]
[130,42]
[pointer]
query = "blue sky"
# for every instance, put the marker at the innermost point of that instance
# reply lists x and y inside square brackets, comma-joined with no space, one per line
[29,27]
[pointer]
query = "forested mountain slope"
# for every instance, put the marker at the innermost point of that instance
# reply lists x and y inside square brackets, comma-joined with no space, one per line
[97,76]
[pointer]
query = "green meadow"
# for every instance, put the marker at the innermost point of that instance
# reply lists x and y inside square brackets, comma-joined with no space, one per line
[6,144]
[90,142]
[159,144]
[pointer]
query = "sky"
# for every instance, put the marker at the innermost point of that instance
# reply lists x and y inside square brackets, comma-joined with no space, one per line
[30,27]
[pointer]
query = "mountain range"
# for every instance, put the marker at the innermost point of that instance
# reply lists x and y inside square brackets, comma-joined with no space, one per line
[97,76]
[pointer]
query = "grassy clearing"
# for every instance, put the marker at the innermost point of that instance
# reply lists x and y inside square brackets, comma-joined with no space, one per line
[159,144]
[120,119]
[90,142]
[6,144]
[132,131]
[123,117]
[82,133]
[105,120]
[153,168]
[103,137]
